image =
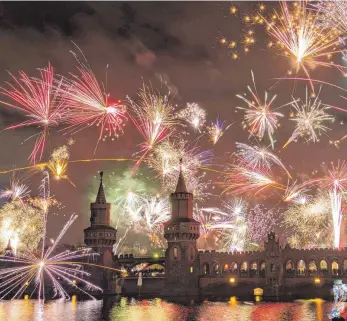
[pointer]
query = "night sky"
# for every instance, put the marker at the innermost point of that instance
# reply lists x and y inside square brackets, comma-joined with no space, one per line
[147,42]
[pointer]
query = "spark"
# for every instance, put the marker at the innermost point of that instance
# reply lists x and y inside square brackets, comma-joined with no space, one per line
[217,130]
[194,115]
[41,102]
[153,118]
[259,117]
[296,193]
[165,161]
[336,212]
[308,223]
[310,118]
[33,267]
[335,178]
[241,228]
[258,157]
[242,179]
[89,105]
[21,223]
[16,191]
[332,15]
[302,39]
[58,163]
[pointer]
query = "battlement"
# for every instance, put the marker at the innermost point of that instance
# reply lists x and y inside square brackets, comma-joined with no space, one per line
[229,254]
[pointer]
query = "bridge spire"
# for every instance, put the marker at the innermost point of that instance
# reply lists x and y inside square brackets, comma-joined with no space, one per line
[181,184]
[100,197]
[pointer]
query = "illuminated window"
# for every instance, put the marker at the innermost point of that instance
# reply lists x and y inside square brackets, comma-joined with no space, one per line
[323,265]
[175,253]
[244,266]
[191,269]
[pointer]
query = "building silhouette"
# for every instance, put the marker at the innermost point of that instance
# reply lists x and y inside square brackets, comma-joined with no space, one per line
[276,270]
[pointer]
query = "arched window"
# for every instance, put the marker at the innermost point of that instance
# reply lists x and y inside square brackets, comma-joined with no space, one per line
[254,269]
[175,253]
[334,268]
[262,266]
[344,266]
[301,267]
[262,269]
[244,269]
[225,268]
[312,268]
[290,266]
[244,266]
[216,269]
[233,268]
[206,269]
[323,267]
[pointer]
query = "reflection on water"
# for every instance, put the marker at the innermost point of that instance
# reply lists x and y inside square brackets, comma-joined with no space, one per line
[126,309]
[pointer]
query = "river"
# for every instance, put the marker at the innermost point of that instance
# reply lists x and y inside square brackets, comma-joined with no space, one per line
[125,309]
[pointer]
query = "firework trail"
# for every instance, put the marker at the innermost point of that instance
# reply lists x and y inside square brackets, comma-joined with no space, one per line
[336,212]
[32,267]
[153,118]
[217,130]
[194,115]
[90,105]
[243,179]
[310,117]
[241,228]
[302,39]
[308,223]
[41,101]
[295,193]
[258,157]
[332,15]
[165,162]
[16,191]
[260,118]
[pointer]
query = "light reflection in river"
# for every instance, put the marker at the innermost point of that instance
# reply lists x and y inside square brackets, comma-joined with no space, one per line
[126,309]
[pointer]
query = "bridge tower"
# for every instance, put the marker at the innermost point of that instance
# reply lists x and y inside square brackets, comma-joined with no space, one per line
[181,233]
[100,236]
[273,266]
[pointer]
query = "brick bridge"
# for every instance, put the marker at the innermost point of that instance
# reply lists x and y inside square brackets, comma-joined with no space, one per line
[291,271]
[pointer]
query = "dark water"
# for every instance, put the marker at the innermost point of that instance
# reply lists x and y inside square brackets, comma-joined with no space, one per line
[159,310]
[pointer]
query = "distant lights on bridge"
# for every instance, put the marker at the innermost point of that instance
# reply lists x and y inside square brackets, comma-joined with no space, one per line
[317,280]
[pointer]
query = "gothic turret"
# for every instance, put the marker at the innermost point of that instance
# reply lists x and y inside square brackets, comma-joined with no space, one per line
[9,250]
[100,236]
[181,233]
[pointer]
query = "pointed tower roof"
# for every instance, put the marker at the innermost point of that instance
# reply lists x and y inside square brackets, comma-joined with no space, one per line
[181,184]
[9,246]
[101,198]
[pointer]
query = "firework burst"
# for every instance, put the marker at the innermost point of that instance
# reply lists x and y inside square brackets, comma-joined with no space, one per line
[309,223]
[16,191]
[260,118]
[165,161]
[41,101]
[194,115]
[33,267]
[153,118]
[217,130]
[258,157]
[90,105]
[242,179]
[310,117]
[302,39]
